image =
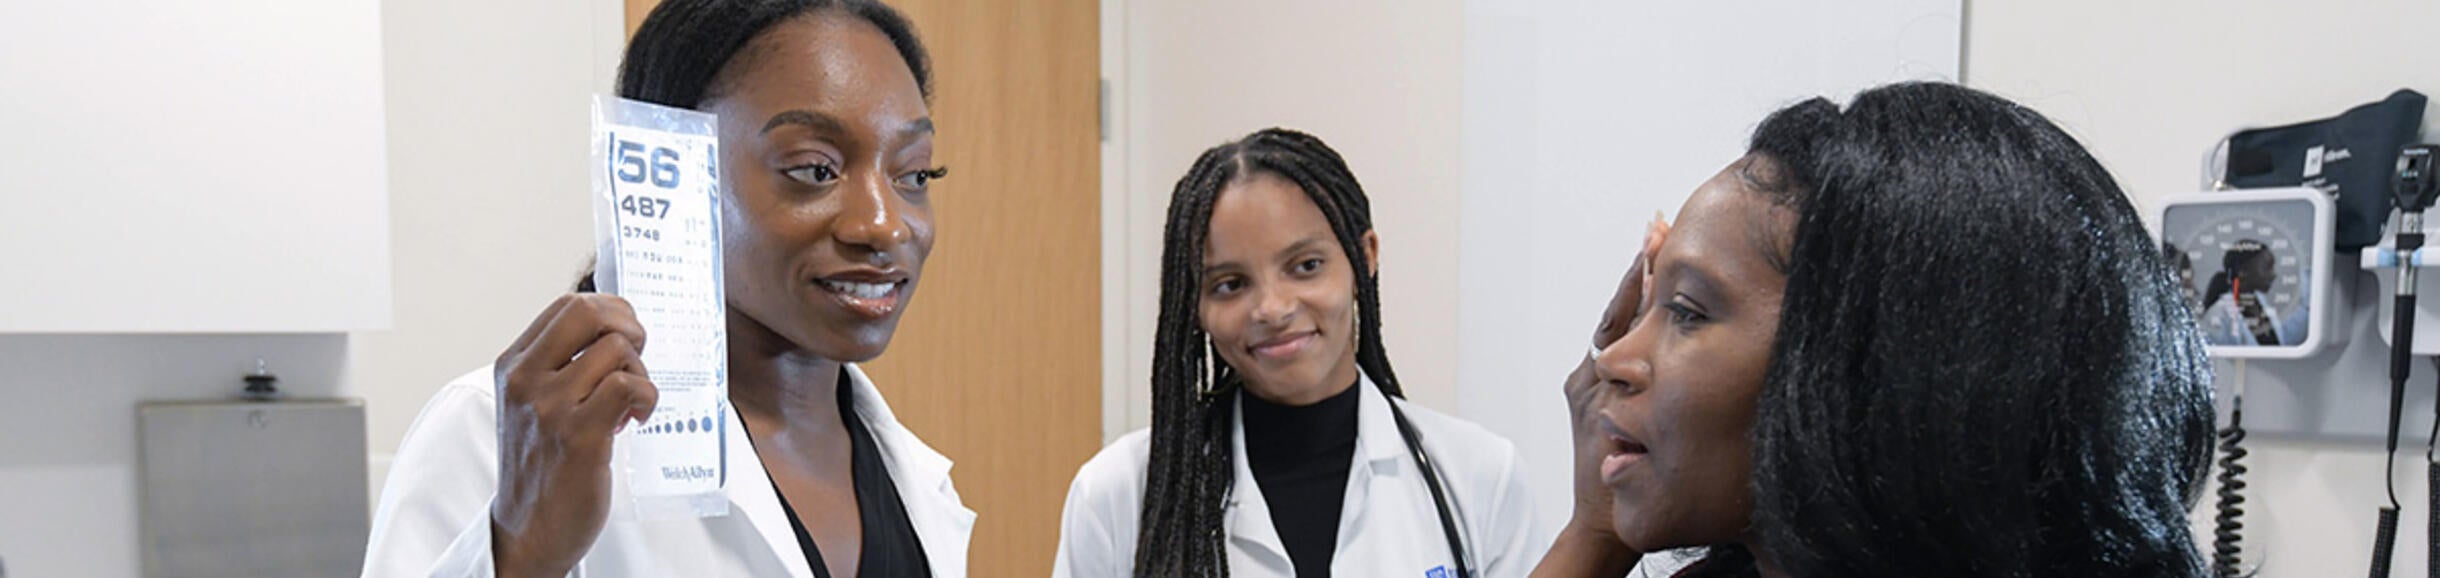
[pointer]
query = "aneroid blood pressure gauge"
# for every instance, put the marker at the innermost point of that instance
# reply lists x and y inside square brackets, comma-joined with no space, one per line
[2254,265]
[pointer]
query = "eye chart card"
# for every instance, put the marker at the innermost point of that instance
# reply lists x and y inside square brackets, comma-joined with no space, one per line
[656,185]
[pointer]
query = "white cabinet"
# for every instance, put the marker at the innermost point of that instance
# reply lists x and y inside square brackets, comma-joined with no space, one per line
[170,166]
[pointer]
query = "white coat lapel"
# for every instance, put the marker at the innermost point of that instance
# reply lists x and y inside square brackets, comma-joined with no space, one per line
[1380,458]
[751,496]
[940,518]
[1248,521]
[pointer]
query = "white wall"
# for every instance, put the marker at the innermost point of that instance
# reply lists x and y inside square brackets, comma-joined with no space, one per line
[2149,86]
[1377,79]
[486,114]
[1584,119]
[160,153]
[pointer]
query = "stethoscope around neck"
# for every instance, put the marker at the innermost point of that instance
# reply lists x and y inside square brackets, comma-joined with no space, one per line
[1440,499]
[1458,553]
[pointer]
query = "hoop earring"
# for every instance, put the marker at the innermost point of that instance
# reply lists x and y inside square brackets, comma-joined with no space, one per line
[1205,380]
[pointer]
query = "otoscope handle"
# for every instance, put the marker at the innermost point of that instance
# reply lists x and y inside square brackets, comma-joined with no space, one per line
[2401,357]
[2402,319]
[2402,338]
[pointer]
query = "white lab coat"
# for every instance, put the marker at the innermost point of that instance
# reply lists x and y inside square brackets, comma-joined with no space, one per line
[1387,526]
[435,513]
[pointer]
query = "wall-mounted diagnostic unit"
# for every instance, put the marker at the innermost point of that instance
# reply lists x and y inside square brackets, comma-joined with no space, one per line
[2254,266]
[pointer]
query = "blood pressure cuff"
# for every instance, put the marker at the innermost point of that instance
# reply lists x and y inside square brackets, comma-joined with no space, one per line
[2350,157]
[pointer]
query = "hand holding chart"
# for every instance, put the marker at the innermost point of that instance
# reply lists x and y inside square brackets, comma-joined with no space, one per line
[566,387]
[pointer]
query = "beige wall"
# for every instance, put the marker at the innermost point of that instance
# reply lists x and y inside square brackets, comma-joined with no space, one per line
[1377,79]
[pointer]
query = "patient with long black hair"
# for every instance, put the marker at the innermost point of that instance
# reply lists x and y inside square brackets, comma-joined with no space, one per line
[1921,335]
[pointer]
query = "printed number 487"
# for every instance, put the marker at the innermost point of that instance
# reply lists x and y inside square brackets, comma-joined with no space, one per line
[642,206]
[663,169]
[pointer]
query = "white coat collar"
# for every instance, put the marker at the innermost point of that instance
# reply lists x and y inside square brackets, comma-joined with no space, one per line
[1378,446]
[1376,432]
[921,474]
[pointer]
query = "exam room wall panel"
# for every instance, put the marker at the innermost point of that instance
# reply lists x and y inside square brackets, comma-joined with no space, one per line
[192,167]
[484,107]
[2149,87]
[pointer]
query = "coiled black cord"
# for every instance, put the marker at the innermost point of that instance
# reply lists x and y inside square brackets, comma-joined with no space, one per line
[2228,526]
[2384,540]
[2432,562]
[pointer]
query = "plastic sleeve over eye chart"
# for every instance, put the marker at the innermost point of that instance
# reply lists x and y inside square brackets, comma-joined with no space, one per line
[656,216]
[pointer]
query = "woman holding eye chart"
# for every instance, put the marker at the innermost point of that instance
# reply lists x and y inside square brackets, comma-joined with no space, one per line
[1280,444]
[825,137]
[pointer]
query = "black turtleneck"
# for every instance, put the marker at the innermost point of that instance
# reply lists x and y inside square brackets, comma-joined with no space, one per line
[1300,457]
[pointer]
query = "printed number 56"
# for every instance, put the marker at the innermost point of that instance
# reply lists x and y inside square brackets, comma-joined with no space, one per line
[631,166]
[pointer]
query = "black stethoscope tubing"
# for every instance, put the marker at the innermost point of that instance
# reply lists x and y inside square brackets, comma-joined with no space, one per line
[1431,481]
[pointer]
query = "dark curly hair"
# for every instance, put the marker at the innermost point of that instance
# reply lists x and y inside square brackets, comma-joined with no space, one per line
[1983,365]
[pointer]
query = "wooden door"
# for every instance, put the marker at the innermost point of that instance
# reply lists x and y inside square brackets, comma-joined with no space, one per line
[997,363]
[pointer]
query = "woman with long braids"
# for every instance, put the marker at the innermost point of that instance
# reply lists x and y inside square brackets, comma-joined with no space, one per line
[1281,444]
[825,138]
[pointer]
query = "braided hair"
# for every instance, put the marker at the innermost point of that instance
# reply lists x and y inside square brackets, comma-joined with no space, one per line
[1192,458]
